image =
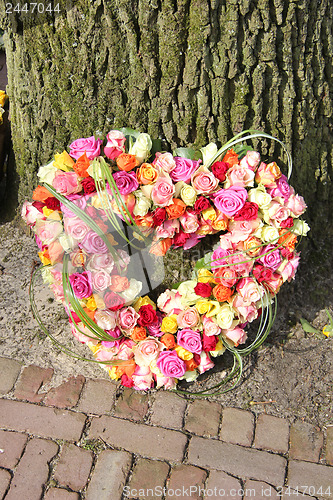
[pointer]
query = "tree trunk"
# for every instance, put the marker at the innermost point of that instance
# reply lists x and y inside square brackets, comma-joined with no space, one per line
[188,71]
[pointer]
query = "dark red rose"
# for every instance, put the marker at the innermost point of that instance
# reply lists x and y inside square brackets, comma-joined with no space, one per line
[113,301]
[180,238]
[197,359]
[203,289]
[289,222]
[127,381]
[88,185]
[219,169]
[262,273]
[248,212]
[39,205]
[201,203]
[209,342]
[147,315]
[159,216]
[52,203]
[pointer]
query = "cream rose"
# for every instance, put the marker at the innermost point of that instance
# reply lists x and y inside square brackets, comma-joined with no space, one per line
[225,317]
[47,173]
[188,195]
[142,204]
[141,148]
[260,197]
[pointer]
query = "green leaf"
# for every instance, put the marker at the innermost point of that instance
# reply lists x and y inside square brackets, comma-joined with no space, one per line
[307,327]
[157,146]
[175,285]
[241,150]
[129,132]
[188,153]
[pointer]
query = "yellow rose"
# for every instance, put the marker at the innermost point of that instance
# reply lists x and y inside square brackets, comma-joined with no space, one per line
[220,223]
[205,276]
[219,349]
[183,353]
[54,215]
[204,229]
[91,304]
[113,373]
[3,98]
[214,308]
[101,200]
[99,301]
[47,211]
[202,306]
[209,214]
[63,161]
[143,301]
[188,195]
[44,259]
[169,324]
[93,347]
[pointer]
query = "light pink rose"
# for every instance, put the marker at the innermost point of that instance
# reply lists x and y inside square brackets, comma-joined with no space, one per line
[251,160]
[105,319]
[90,146]
[184,169]
[205,363]
[189,222]
[239,175]
[58,292]
[115,144]
[204,182]
[163,191]
[78,335]
[101,262]
[165,162]
[288,268]
[240,230]
[147,351]
[250,290]
[78,258]
[241,264]
[127,317]
[236,335]
[210,328]
[245,310]
[168,383]
[277,212]
[101,280]
[30,214]
[93,243]
[76,228]
[106,353]
[170,302]
[66,183]
[188,318]
[124,259]
[126,350]
[190,340]
[168,229]
[142,378]
[296,205]
[48,230]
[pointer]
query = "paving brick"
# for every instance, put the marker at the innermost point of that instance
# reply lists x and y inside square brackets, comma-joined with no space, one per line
[149,476]
[109,476]
[60,494]
[67,394]
[329,445]
[203,418]
[31,380]
[306,442]
[312,479]
[9,370]
[41,421]
[272,433]
[221,485]
[233,459]
[287,493]
[187,480]
[259,491]
[132,405]
[150,442]
[237,426]
[5,479]
[168,410]
[11,446]
[32,472]
[73,468]
[97,397]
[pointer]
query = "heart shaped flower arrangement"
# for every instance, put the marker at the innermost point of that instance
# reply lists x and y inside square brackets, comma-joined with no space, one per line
[89,207]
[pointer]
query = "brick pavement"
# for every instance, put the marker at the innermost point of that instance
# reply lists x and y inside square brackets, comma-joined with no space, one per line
[92,439]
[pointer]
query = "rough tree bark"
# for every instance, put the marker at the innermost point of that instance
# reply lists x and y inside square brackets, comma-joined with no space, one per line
[188,71]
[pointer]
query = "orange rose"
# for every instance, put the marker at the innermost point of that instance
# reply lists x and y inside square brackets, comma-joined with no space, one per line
[146,174]
[55,251]
[119,283]
[126,162]
[221,222]
[160,248]
[89,313]
[127,368]
[41,194]
[138,333]
[287,239]
[81,166]
[177,209]
[252,246]
[144,220]
[191,365]
[168,340]
[231,157]
[222,293]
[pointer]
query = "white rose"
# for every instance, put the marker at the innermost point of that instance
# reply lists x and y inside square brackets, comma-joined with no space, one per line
[188,295]
[142,204]
[47,173]
[132,291]
[94,169]
[300,227]
[208,152]
[47,275]
[67,242]
[190,376]
[225,317]
[269,234]
[141,148]
[105,319]
[188,195]
[260,197]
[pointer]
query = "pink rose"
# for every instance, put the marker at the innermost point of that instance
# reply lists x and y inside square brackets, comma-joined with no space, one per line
[184,169]
[241,263]
[168,383]
[170,364]
[30,214]
[93,243]
[245,310]
[126,182]
[170,302]
[48,230]
[192,241]
[204,182]
[239,175]
[147,351]
[225,276]
[81,337]
[188,318]
[250,160]
[190,340]
[66,183]
[76,228]
[115,144]
[237,335]
[90,146]
[165,162]
[230,201]
[270,257]
[210,328]
[81,284]
[249,290]
[241,230]
[219,257]
[127,317]
[126,350]
[105,319]
[205,362]
[296,205]
[277,213]
[168,229]
[189,222]
[115,336]
[142,378]
[101,262]
[163,191]
[101,280]
[282,189]
[288,268]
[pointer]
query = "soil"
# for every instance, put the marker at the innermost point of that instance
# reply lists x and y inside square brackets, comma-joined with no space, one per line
[289,376]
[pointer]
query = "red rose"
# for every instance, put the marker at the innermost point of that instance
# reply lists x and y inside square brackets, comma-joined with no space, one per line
[39,205]
[180,238]
[113,301]
[262,273]
[248,212]
[209,342]
[159,216]
[203,289]
[197,359]
[147,315]
[289,222]
[201,203]
[88,185]
[127,381]
[219,169]
[52,203]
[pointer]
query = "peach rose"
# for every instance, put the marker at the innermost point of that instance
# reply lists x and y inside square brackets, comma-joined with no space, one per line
[126,162]
[188,318]
[176,209]
[146,174]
